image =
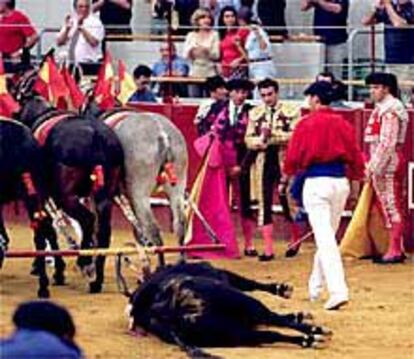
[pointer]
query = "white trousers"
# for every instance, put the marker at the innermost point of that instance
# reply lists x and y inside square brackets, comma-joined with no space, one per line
[324,199]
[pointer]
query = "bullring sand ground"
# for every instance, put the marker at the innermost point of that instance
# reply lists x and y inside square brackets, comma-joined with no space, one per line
[378,323]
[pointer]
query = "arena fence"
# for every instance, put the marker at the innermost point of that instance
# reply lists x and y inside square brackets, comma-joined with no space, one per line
[183,115]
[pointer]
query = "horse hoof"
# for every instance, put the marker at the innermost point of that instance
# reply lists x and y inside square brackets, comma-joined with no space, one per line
[95,287]
[43,293]
[59,280]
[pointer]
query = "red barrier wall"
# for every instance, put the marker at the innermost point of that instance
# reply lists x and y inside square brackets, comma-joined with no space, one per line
[183,116]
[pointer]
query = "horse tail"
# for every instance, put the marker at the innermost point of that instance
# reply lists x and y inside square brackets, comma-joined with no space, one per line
[167,173]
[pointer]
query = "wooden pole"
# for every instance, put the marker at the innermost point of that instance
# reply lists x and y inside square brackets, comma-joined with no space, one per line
[111,251]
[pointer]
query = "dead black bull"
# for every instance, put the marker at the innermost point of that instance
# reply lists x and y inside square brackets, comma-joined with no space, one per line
[197,305]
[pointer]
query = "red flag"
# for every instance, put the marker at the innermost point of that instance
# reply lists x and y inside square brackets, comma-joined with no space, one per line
[8,105]
[104,88]
[51,85]
[76,96]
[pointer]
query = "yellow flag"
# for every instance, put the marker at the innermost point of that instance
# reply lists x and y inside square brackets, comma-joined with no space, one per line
[126,84]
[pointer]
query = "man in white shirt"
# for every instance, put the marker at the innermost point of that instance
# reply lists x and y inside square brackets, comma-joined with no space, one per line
[83,33]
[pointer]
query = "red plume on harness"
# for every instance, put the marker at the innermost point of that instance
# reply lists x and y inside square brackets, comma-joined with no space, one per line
[31,191]
[97,178]
[28,184]
[168,175]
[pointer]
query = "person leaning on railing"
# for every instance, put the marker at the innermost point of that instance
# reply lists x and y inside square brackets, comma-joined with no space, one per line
[272,14]
[399,40]
[115,15]
[258,47]
[233,57]
[179,67]
[202,49]
[83,33]
[17,36]
[330,23]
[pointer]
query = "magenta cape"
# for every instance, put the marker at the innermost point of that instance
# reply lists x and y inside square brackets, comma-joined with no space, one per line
[211,196]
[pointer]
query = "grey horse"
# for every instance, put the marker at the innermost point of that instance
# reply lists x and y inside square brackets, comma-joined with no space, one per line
[151,142]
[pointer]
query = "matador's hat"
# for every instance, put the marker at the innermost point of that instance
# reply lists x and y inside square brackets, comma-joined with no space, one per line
[385,79]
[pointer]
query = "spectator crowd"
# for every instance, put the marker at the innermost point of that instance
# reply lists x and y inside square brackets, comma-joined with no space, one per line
[230,38]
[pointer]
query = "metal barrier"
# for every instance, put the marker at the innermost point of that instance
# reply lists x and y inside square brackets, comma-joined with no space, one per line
[290,82]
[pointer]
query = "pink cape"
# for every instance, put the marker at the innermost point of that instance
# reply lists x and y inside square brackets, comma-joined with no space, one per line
[212,199]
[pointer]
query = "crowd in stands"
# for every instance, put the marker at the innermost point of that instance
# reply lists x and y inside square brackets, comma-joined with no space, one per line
[239,47]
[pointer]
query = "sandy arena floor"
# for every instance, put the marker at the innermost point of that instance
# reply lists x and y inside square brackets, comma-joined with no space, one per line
[378,323]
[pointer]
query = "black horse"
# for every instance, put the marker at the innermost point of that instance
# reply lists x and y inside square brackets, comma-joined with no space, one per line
[21,178]
[196,305]
[84,159]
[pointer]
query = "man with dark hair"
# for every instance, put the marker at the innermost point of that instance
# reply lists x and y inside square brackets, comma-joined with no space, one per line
[323,150]
[330,23]
[142,75]
[43,330]
[17,36]
[325,76]
[216,87]
[385,135]
[339,89]
[268,130]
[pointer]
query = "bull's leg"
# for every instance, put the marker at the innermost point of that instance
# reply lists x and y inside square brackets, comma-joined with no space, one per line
[260,337]
[295,321]
[248,285]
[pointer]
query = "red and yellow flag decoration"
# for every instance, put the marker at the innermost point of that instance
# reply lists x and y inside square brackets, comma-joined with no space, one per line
[104,91]
[51,85]
[76,96]
[8,105]
[126,83]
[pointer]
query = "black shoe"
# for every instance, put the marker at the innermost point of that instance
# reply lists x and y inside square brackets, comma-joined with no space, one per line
[266,257]
[393,260]
[292,252]
[250,252]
